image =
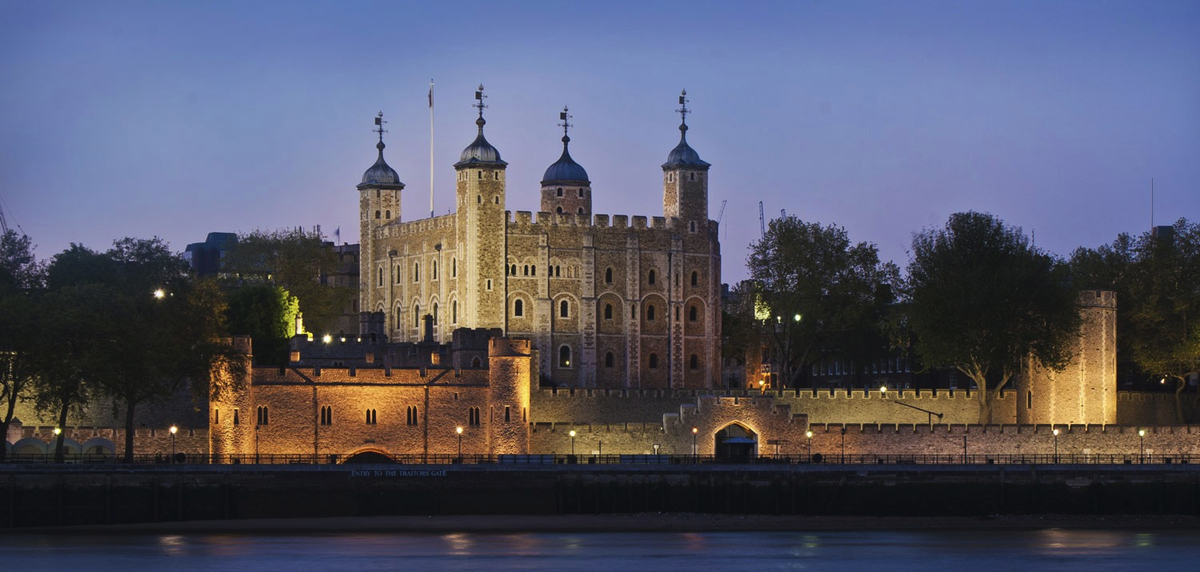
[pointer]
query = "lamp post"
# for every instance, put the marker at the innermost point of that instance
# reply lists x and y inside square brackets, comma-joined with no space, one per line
[572,442]
[694,431]
[808,434]
[256,460]
[57,432]
[174,430]
[459,431]
[1056,446]
[1141,446]
[843,459]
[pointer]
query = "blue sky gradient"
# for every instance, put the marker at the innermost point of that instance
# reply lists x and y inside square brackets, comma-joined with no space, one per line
[176,119]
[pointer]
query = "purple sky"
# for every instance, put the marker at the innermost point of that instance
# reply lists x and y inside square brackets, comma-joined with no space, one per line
[173,119]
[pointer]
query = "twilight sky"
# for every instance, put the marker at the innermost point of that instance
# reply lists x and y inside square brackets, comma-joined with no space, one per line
[176,119]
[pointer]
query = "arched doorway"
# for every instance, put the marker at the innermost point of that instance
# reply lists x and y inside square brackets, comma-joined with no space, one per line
[369,457]
[736,443]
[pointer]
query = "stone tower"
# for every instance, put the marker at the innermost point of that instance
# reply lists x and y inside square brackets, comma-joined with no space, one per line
[510,370]
[685,180]
[565,186]
[481,230]
[379,204]
[1086,391]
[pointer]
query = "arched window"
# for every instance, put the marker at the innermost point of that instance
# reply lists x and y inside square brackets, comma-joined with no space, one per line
[692,314]
[376,215]
[560,211]
[533,270]
[581,194]
[650,313]
[264,415]
[564,309]
[653,361]
[387,215]
[518,308]
[399,274]
[410,415]
[416,315]
[694,362]
[609,358]
[476,362]
[608,311]
[381,277]
[650,277]
[564,357]
[692,226]
[473,417]
[416,272]
[695,278]
[580,210]
[608,275]
[454,311]
[435,313]
[433,270]
[326,415]
[525,269]
[371,417]
[560,193]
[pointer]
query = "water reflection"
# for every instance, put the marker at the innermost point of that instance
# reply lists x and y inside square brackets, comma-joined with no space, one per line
[1061,550]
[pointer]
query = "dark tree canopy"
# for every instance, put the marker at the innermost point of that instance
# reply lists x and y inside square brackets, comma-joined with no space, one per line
[818,294]
[1155,276]
[297,261]
[982,300]
[268,315]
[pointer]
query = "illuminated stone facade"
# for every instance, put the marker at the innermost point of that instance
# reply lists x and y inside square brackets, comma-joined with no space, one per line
[609,301]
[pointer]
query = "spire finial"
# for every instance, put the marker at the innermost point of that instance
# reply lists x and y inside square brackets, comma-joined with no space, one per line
[479,97]
[683,110]
[565,118]
[379,121]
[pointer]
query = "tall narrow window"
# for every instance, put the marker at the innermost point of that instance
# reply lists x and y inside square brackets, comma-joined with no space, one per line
[235,416]
[454,312]
[380,277]
[653,361]
[416,315]
[695,278]
[609,359]
[326,415]
[563,309]
[473,418]
[216,416]
[650,277]
[416,272]
[435,314]
[507,413]
[608,275]
[433,270]
[454,267]
[410,415]
[608,311]
[264,416]
[564,357]
[693,313]
[694,362]
[518,308]
[650,313]
[371,417]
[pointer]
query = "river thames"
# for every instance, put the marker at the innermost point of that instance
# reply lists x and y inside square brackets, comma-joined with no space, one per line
[1060,550]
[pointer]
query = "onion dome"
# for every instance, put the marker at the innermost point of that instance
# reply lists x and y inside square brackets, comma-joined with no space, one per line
[380,174]
[683,156]
[565,170]
[479,152]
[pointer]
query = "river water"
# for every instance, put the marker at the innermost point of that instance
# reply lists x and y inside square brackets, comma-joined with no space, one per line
[1053,549]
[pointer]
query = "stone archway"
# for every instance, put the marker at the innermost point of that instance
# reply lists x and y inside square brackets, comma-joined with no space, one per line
[369,457]
[736,442]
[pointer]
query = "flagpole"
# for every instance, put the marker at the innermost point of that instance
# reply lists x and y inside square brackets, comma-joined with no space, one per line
[430,148]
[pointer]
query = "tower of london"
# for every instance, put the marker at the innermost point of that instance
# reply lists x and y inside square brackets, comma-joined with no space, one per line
[609,301]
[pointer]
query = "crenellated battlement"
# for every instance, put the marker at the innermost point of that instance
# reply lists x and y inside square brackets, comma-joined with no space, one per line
[418,226]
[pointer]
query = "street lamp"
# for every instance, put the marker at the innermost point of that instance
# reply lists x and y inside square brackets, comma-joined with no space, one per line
[256,461]
[1056,445]
[572,442]
[459,431]
[843,460]
[808,434]
[694,431]
[1141,446]
[174,430]
[158,294]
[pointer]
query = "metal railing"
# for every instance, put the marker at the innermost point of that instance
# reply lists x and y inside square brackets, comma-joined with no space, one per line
[619,459]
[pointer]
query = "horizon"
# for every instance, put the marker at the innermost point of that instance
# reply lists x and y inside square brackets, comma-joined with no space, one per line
[179,120]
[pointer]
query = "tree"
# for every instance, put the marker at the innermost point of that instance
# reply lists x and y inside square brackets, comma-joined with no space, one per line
[268,315]
[297,261]
[21,278]
[1158,316]
[818,295]
[982,300]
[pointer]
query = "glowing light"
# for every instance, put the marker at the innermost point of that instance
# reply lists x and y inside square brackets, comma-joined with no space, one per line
[458,430]
[174,429]
[796,317]
[328,338]
[158,294]
[695,430]
[58,431]
[1141,432]
[883,390]
[808,434]
[1056,432]
[572,433]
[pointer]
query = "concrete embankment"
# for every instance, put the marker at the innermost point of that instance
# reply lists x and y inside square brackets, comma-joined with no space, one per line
[32,496]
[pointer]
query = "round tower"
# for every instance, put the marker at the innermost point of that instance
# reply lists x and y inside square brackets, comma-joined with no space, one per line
[509,374]
[685,180]
[480,224]
[379,204]
[565,186]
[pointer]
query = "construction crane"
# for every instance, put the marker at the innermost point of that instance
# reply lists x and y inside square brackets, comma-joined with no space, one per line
[3,223]
[721,215]
[762,220]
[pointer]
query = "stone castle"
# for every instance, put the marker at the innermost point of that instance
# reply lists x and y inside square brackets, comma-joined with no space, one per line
[484,333]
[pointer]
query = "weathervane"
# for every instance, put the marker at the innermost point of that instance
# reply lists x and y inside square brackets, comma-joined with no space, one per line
[562,116]
[379,121]
[479,97]
[683,110]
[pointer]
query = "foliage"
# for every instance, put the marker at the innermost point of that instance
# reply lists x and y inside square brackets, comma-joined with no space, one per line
[983,300]
[818,295]
[20,276]
[268,315]
[19,269]
[297,261]
[1155,276]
